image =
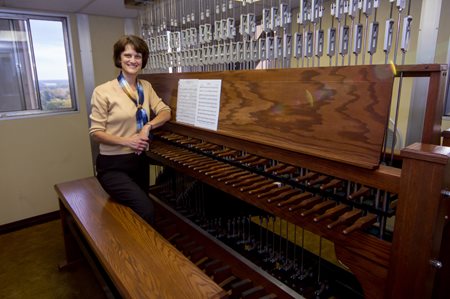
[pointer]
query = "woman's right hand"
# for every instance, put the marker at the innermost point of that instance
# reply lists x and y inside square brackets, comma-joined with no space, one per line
[138,143]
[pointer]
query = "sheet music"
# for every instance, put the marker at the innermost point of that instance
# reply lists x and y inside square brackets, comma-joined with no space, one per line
[198,102]
[208,104]
[187,101]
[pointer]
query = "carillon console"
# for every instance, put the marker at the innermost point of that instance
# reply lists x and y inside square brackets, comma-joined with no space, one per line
[291,197]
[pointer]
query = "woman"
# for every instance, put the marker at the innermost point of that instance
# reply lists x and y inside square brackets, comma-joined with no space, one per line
[119,123]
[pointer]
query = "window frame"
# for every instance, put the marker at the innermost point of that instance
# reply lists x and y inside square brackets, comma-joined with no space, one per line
[68,44]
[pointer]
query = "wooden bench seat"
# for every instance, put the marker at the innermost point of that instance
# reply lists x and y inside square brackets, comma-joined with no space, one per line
[138,260]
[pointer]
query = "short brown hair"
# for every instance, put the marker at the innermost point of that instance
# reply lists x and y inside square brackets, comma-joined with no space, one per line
[138,44]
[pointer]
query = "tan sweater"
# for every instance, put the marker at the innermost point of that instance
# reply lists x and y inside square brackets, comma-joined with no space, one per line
[113,112]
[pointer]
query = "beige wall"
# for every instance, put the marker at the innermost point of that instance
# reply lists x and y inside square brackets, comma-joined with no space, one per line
[38,152]
[104,33]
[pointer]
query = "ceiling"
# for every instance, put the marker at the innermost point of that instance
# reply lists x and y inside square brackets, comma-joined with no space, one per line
[109,8]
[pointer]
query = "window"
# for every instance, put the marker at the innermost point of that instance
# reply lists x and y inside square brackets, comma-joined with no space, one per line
[35,65]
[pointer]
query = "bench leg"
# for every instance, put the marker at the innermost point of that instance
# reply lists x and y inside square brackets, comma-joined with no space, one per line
[73,253]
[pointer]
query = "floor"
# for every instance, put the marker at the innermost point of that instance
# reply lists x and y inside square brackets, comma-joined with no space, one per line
[29,261]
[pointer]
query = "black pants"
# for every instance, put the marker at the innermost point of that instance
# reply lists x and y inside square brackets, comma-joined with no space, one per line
[126,179]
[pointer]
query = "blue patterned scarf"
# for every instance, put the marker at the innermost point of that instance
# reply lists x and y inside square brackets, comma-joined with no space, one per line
[138,100]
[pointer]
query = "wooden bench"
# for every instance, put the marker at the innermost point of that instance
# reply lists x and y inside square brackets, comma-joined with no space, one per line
[138,261]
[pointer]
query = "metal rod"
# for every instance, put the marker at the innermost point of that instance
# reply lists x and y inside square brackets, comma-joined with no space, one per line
[394,137]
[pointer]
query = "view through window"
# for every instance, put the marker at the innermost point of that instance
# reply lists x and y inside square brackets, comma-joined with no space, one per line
[35,71]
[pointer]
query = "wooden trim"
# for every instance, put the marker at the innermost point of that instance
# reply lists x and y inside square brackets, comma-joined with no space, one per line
[28,222]
[419,70]
[431,132]
[427,152]
[418,227]
[434,109]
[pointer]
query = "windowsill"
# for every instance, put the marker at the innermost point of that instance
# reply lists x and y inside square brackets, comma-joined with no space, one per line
[29,114]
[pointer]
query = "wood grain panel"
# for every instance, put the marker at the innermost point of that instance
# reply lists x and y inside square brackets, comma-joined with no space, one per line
[336,113]
[140,262]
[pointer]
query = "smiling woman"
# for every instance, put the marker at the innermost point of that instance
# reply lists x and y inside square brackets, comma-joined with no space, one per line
[35,58]
[121,124]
